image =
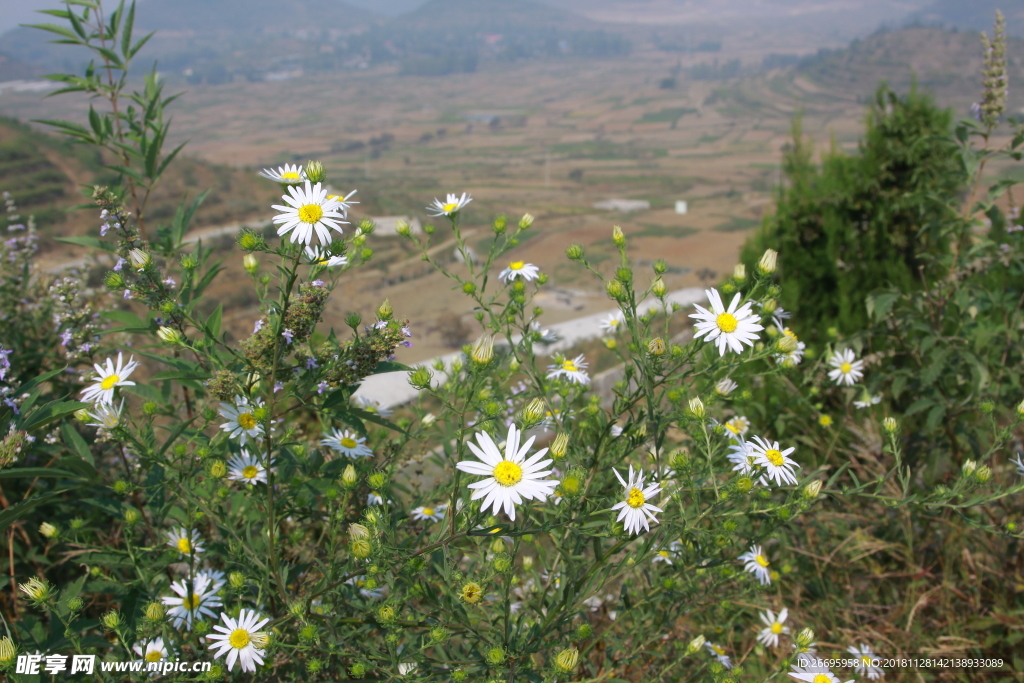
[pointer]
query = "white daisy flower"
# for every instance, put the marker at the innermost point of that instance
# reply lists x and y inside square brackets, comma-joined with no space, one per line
[374,498]
[732,327]
[247,468]
[454,204]
[433,513]
[719,654]
[792,358]
[725,386]
[241,423]
[371,406]
[151,652]
[773,626]
[406,668]
[187,606]
[743,460]
[184,541]
[319,257]
[106,415]
[519,269]
[779,316]
[308,211]
[813,671]
[635,510]
[848,370]
[574,370]
[757,564]
[1020,465]
[738,425]
[546,336]
[613,323]
[777,464]
[344,204]
[241,639]
[867,400]
[666,554]
[347,443]
[866,661]
[289,174]
[616,430]
[216,579]
[107,378]
[510,478]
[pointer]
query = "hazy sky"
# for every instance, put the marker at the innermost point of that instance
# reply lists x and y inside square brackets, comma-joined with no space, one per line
[14,12]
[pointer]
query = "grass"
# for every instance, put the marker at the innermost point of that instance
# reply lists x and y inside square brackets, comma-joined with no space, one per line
[737,224]
[669,115]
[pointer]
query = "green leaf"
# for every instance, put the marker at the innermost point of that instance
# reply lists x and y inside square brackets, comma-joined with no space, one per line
[50,412]
[57,29]
[390,366]
[18,510]
[180,375]
[126,35]
[86,241]
[935,416]
[213,322]
[75,443]
[40,472]
[919,405]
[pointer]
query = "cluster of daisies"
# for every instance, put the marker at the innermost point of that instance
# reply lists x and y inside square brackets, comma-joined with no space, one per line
[196,597]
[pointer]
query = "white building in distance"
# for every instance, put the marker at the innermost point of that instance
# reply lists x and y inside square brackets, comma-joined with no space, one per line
[623,205]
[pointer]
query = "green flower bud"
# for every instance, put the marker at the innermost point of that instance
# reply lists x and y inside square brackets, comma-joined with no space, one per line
[250,241]
[695,645]
[386,614]
[500,224]
[250,263]
[526,221]
[48,530]
[768,262]
[361,548]
[811,491]
[439,634]
[384,311]
[8,650]
[217,469]
[656,347]
[377,480]
[559,446]
[315,172]
[353,320]
[154,612]
[483,350]
[615,289]
[111,620]
[131,516]
[150,408]
[349,478]
[114,280]
[696,407]
[75,604]
[890,425]
[567,660]
[495,656]
[574,251]
[617,237]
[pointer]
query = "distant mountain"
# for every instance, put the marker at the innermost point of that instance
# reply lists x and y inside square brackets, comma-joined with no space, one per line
[973,14]
[388,7]
[946,62]
[251,16]
[452,16]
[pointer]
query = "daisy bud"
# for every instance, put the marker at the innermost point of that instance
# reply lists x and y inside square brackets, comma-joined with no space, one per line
[384,311]
[1020,410]
[459,675]
[377,480]
[987,407]
[361,548]
[528,562]
[658,288]
[471,593]
[169,335]
[237,580]
[439,634]
[533,411]
[315,172]
[82,415]
[567,660]
[36,589]
[250,263]
[500,225]
[890,425]
[131,516]
[805,637]
[695,645]
[768,262]
[615,289]
[349,478]
[617,236]
[75,604]
[739,273]
[154,612]
[574,251]
[48,530]
[572,484]
[218,469]
[495,656]
[372,517]
[502,563]
[483,350]
[526,221]
[787,341]
[969,467]
[559,446]
[358,531]
[656,347]
[812,490]
[114,280]
[983,473]
[7,649]
[697,408]
[386,614]
[111,620]
[402,227]
[139,258]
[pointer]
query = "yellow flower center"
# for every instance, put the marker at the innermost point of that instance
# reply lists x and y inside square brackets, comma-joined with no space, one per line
[250,471]
[774,457]
[761,560]
[190,603]
[154,656]
[508,473]
[471,593]
[290,175]
[109,382]
[822,678]
[239,638]
[310,213]
[570,366]
[825,421]
[348,443]
[663,553]
[845,368]
[184,546]
[428,512]
[776,628]
[570,485]
[635,498]
[726,322]
[448,208]
[516,265]
[718,650]
[246,421]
